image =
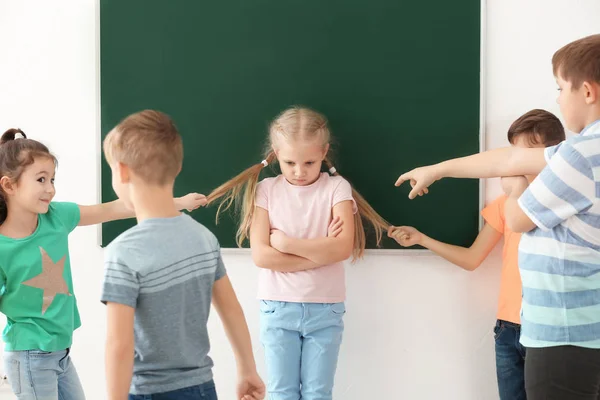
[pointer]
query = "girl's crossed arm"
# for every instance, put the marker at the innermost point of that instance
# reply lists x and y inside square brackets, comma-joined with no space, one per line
[325,250]
[264,255]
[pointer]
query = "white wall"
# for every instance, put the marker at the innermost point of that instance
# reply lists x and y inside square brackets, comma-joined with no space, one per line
[417,328]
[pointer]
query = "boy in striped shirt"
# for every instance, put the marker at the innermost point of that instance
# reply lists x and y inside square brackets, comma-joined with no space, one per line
[559,254]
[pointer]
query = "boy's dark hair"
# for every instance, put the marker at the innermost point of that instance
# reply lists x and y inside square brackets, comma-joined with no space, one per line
[540,126]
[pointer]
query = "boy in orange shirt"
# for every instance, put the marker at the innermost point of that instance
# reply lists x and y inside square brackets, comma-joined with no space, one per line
[537,128]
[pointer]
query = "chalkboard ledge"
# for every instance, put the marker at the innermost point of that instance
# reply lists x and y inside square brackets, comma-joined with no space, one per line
[368,252]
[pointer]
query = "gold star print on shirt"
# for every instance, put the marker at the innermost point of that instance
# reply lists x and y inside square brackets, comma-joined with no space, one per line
[51,280]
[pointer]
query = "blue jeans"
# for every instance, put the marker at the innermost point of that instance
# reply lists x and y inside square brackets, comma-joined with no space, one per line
[206,391]
[40,375]
[510,361]
[302,343]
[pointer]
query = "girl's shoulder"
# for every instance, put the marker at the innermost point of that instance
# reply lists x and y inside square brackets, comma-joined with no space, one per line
[65,213]
[271,182]
[336,182]
[336,179]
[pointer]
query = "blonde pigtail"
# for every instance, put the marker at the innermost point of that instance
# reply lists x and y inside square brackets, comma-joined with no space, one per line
[380,225]
[240,190]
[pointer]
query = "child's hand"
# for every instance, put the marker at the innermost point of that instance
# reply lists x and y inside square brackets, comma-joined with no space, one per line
[514,185]
[278,240]
[190,201]
[420,180]
[251,387]
[335,227]
[406,236]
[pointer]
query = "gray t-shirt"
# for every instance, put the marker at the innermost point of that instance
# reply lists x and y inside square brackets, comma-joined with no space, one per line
[165,268]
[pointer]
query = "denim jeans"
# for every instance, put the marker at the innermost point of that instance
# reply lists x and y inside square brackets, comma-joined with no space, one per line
[302,343]
[206,391]
[41,375]
[510,361]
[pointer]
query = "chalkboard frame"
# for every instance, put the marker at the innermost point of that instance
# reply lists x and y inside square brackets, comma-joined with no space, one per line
[379,251]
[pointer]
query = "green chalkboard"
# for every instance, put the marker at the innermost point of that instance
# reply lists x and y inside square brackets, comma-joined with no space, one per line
[398,80]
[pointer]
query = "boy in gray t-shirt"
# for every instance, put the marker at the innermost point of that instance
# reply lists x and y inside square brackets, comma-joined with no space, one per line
[160,278]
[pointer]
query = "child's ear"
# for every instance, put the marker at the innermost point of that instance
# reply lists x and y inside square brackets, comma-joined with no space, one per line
[124,173]
[7,185]
[591,91]
[325,150]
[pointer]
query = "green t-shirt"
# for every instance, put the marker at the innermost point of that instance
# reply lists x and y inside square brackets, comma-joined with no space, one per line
[36,284]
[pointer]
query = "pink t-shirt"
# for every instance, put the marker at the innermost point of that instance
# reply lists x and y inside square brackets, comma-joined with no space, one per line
[303,212]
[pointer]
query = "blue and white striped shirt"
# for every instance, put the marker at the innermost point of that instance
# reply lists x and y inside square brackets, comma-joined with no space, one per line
[560,261]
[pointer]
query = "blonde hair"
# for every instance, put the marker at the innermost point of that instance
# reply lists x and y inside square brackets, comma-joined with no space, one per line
[149,144]
[294,124]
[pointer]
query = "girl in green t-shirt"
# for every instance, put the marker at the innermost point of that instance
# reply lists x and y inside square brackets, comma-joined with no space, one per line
[36,286]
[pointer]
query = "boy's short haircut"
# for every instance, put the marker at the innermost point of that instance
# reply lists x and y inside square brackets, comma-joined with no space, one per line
[149,144]
[578,61]
[540,126]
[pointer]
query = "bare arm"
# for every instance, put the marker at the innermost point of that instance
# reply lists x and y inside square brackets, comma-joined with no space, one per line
[119,350]
[516,219]
[105,212]
[265,256]
[468,258]
[234,322]
[115,210]
[326,250]
[507,161]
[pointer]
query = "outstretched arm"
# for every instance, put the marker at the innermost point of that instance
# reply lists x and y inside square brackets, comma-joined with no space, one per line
[507,161]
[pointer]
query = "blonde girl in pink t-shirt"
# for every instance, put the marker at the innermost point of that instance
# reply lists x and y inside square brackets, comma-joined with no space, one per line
[302,224]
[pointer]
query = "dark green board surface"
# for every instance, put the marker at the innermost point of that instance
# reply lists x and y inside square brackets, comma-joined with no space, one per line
[398,80]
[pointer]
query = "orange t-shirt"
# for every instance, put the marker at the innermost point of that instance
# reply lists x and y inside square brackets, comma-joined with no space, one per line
[509,303]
